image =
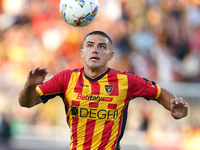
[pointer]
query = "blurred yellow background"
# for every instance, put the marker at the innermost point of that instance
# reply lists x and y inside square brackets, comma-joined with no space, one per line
[157,39]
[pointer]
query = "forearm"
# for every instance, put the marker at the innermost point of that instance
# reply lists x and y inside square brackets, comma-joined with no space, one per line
[165,99]
[176,106]
[28,96]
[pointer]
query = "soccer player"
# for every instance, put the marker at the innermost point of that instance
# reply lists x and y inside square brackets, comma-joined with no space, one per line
[96,97]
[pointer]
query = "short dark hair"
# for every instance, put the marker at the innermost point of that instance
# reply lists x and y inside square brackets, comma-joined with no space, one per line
[99,33]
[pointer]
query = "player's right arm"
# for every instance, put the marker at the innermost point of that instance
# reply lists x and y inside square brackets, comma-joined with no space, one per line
[28,96]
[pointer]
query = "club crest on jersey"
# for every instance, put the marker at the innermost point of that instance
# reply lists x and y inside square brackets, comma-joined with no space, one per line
[109,89]
[74,111]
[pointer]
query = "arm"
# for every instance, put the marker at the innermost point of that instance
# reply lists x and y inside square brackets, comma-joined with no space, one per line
[29,97]
[178,108]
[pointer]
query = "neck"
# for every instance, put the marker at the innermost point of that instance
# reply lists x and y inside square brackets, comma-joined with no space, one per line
[94,72]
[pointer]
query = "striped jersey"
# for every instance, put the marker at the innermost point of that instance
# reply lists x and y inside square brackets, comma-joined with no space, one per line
[96,108]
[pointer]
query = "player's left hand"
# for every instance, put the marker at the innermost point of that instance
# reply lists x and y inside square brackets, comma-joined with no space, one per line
[179,108]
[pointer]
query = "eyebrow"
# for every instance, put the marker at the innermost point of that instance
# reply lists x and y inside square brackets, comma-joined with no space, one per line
[98,43]
[89,42]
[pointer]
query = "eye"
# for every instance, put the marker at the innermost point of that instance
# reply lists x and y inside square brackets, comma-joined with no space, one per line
[102,47]
[89,45]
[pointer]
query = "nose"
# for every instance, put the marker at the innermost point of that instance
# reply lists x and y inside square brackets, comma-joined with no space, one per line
[95,50]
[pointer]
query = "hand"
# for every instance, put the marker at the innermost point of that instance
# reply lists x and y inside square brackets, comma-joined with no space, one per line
[179,109]
[36,76]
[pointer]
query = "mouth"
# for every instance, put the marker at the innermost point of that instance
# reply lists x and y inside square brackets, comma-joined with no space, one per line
[94,58]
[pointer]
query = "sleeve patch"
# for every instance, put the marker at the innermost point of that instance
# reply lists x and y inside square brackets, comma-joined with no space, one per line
[159,91]
[39,91]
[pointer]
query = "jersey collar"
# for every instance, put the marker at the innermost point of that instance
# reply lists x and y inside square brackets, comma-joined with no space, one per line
[98,77]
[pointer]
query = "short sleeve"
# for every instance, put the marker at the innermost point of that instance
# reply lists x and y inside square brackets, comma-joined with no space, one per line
[55,86]
[142,87]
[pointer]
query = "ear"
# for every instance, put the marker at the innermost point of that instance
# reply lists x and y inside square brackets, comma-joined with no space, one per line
[111,55]
[81,53]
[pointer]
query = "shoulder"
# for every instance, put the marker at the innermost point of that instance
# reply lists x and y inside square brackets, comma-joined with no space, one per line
[67,73]
[131,76]
[127,73]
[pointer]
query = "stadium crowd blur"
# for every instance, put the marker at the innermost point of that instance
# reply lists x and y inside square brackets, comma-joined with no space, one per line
[157,39]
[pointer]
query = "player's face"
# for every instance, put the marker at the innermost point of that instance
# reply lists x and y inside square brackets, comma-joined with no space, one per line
[96,52]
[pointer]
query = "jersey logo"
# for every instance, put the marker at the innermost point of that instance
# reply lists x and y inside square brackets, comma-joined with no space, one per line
[96,98]
[109,89]
[83,85]
[93,112]
[74,111]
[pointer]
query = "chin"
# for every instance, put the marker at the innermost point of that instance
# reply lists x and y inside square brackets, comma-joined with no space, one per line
[94,67]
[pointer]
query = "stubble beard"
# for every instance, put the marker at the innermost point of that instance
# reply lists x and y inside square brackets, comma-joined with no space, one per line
[96,67]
